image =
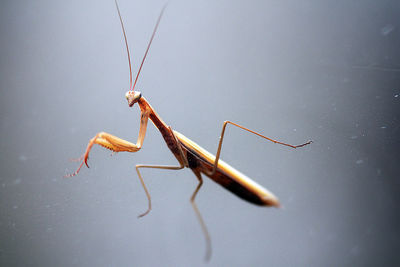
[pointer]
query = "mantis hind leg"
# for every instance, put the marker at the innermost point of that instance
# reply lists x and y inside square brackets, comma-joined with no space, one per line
[221,138]
[199,217]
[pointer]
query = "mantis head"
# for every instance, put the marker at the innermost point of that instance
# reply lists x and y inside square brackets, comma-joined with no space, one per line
[132,97]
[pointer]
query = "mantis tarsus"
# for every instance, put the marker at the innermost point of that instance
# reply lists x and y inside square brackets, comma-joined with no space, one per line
[188,153]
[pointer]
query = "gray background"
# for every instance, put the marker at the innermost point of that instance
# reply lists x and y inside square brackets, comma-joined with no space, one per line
[293,70]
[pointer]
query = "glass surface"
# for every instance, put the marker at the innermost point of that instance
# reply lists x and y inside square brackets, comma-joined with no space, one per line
[292,70]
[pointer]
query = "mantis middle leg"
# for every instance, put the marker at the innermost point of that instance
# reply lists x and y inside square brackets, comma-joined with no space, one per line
[182,163]
[165,167]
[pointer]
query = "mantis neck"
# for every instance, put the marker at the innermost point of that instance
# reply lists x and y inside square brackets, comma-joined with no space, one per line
[154,117]
[165,130]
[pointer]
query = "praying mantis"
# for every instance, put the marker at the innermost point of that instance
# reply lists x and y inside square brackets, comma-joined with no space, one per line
[188,153]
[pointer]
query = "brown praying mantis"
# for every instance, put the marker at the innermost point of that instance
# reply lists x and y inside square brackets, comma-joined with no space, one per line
[188,153]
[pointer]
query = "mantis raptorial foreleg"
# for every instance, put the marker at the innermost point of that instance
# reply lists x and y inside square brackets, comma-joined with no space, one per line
[221,138]
[115,143]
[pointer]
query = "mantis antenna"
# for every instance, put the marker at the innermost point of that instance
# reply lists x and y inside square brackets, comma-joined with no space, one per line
[132,88]
[126,44]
